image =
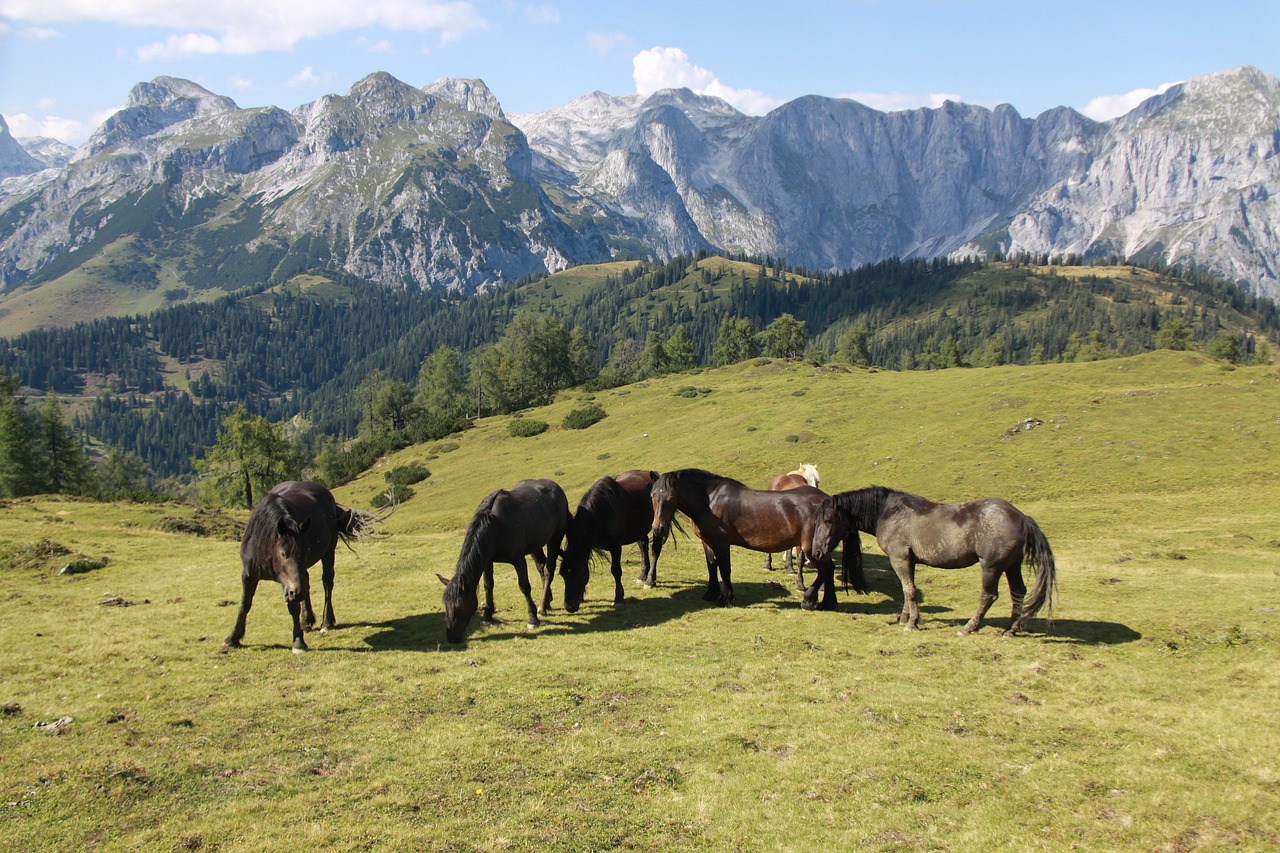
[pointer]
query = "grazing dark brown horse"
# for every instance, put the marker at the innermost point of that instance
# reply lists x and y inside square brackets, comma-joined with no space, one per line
[805,475]
[913,530]
[291,528]
[725,513]
[508,524]
[614,512]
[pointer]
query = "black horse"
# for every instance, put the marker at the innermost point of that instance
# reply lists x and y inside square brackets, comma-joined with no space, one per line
[726,513]
[508,524]
[291,528]
[913,530]
[614,512]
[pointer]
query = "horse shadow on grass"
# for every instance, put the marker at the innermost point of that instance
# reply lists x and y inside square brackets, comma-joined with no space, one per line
[882,580]
[425,632]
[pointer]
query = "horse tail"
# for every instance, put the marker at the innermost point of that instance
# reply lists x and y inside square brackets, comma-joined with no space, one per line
[1035,550]
[851,565]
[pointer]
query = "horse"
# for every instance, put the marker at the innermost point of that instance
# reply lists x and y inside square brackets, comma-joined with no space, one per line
[508,524]
[614,512]
[913,530]
[294,525]
[805,475]
[726,513]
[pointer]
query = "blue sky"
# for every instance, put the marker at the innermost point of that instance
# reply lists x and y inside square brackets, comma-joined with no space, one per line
[67,64]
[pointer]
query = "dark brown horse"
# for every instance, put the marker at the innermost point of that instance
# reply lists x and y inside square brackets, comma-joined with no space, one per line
[913,530]
[614,512]
[291,528]
[725,513]
[508,524]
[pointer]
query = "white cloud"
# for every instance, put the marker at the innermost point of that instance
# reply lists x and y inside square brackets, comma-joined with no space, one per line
[41,33]
[889,102]
[602,43]
[306,77]
[69,130]
[240,83]
[1108,107]
[251,26]
[46,103]
[543,14]
[670,68]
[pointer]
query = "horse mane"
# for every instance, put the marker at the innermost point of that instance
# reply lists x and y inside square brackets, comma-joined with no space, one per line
[599,502]
[472,560]
[864,506]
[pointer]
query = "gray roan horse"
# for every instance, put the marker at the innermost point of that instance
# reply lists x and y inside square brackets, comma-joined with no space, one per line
[291,528]
[509,523]
[614,512]
[726,513]
[913,530]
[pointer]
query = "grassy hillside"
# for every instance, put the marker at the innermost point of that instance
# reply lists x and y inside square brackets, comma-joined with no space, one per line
[1140,718]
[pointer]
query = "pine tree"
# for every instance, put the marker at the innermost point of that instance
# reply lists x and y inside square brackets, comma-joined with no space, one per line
[250,456]
[66,467]
[679,351]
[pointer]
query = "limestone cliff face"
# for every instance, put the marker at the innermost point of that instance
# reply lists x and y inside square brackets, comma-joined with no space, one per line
[437,187]
[1190,176]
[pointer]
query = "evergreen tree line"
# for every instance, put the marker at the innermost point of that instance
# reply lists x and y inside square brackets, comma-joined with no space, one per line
[370,368]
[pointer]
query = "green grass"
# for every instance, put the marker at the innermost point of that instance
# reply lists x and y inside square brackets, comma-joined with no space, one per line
[1142,718]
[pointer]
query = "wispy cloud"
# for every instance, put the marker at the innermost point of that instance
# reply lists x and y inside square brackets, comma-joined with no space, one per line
[602,43]
[542,14]
[305,77]
[240,83]
[1107,107]
[251,26]
[40,33]
[889,102]
[671,68]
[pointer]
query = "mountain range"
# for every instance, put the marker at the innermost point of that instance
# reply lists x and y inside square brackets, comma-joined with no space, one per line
[183,193]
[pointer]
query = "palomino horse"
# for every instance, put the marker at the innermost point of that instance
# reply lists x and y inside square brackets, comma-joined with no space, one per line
[912,530]
[614,512]
[293,526]
[727,513]
[508,524]
[805,475]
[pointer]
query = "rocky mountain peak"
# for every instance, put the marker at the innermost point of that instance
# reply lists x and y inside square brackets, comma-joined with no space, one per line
[470,95]
[14,158]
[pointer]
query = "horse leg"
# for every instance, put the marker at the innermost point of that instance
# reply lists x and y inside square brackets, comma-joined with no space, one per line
[618,595]
[648,571]
[713,583]
[295,611]
[726,593]
[990,591]
[768,561]
[1017,591]
[326,577]
[487,614]
[547,576]
[904,566]
[250,584]
[799,567]
[522,577]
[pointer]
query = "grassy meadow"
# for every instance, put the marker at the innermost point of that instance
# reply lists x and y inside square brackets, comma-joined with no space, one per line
[1142,717]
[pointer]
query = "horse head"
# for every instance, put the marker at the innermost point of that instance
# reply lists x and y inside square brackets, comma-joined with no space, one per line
[287,558]
[665,501]
[460,604]
[831,526]
[575,568]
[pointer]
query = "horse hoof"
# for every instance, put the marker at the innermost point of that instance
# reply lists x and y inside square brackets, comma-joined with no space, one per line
[300,651]
[532,626]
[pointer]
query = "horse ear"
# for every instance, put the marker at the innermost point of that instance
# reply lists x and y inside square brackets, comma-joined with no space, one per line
[442,579]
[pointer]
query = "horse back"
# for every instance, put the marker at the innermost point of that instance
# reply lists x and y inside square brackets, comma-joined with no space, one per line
[534,514]
[784,482]
[763,520]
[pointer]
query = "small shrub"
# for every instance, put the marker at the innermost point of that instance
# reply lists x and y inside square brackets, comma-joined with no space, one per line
[447,446]
[397,493]
[526,427]
[407,475]
[584,417]
[687,391]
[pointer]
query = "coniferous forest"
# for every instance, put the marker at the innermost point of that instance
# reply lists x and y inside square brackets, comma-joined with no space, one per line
[339,358]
